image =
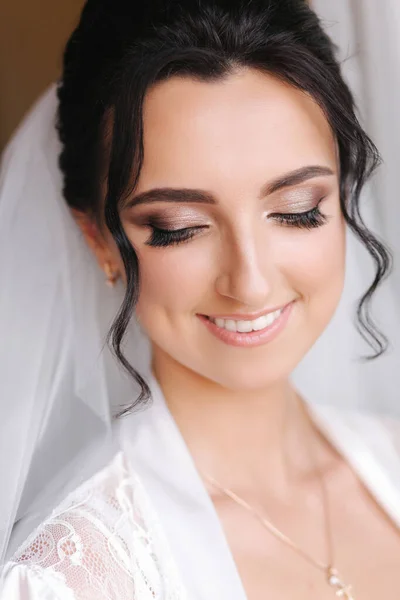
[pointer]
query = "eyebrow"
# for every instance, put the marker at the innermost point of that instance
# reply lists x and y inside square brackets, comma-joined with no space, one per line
[201,196]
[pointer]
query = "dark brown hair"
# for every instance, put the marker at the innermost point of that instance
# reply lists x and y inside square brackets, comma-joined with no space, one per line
[120,48]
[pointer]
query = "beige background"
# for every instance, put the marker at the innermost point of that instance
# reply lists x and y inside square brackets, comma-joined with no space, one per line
[32,36]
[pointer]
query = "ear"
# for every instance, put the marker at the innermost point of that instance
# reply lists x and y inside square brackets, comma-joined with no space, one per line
[99,245]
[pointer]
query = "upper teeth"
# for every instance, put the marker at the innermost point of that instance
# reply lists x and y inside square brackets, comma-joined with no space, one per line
[247,326]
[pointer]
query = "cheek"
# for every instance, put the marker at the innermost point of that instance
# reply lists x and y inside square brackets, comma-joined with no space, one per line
[316,268]
[173,281]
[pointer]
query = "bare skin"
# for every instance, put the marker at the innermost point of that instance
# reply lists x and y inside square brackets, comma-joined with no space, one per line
[240,417]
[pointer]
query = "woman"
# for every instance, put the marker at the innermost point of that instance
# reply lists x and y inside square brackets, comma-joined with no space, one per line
[212,159]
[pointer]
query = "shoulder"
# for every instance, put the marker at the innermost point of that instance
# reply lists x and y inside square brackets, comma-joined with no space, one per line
[96,544]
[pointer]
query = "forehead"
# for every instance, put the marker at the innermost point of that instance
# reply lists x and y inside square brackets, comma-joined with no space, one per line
[245,127]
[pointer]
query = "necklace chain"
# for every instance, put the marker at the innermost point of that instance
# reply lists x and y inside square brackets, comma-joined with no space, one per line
[267,524]
[341,589]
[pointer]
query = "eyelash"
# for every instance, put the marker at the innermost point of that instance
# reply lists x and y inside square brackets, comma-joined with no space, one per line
[306,220]
[162,238]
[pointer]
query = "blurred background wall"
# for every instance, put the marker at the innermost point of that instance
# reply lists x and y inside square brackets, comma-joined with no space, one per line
[32,36]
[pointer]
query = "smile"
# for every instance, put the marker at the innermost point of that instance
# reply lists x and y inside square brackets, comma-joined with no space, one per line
[248,333]
[248,326]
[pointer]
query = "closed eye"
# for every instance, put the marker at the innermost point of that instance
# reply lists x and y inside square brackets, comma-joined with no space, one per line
[304,220]
[161,238]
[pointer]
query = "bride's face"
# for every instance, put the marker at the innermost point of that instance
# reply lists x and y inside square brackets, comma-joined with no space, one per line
[236,215]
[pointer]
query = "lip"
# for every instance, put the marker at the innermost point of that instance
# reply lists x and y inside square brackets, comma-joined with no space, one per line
[254,338]
[249,316]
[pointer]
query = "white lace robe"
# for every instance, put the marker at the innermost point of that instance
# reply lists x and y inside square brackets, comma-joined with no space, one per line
[145,528]
[102,543]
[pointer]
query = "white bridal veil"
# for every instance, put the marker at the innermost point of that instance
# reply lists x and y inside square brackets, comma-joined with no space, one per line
[59,384]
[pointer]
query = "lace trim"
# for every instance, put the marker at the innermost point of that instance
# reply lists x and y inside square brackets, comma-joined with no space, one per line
[104,542]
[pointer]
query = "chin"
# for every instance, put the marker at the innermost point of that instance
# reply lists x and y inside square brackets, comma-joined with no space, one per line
[245,377]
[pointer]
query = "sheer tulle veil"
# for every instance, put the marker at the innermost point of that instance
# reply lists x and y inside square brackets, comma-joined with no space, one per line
[59,384]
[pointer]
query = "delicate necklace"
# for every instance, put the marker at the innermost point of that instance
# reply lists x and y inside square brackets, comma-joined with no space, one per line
[332,577]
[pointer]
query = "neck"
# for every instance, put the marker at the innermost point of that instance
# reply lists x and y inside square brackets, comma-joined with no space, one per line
[240,438]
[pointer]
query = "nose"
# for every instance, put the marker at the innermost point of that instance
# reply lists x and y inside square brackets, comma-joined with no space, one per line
[245,275]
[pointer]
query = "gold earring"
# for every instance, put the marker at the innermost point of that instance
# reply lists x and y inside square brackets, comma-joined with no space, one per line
[111,275]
